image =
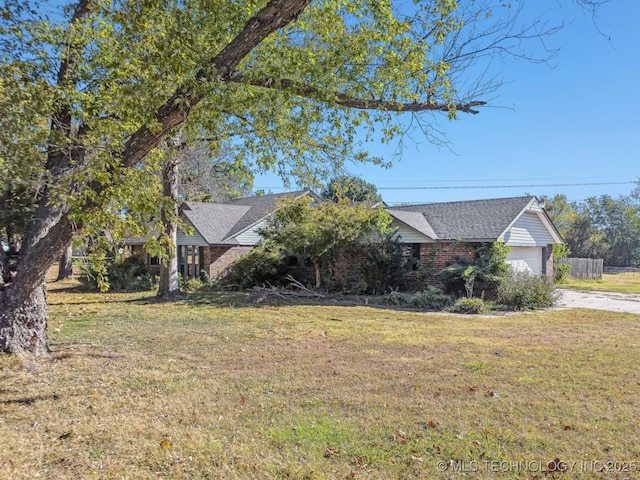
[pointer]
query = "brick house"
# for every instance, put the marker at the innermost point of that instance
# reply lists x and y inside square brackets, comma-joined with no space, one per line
[440,232]
[434,233]
[219,233]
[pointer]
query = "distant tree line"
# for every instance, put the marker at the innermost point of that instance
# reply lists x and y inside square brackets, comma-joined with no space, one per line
[600,227]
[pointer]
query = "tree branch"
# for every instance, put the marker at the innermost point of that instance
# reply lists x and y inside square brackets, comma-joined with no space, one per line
[357,103]
[67,77]
[275,15]
[51,221]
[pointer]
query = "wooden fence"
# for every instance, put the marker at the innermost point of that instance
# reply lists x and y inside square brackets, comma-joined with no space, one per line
[619,270]
[585,268]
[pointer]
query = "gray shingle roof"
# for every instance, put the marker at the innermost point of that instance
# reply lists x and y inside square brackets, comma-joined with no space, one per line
[479,220]
[415,220]
[214,220]
[219,222]
[259,207]
[468,220]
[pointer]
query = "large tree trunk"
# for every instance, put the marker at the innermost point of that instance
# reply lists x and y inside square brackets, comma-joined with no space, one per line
[23,320]
[316,268]
[65,264]
[23,306]
[23,302]
[4,269]
[169,283]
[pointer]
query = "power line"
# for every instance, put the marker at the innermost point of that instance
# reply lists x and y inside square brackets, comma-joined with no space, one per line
[476,180]
[470,187]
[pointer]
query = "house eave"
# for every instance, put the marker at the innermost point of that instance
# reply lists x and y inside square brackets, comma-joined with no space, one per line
[309,193]
[542,215]
[526,208]
[431,238]
[466,240]
[190,223]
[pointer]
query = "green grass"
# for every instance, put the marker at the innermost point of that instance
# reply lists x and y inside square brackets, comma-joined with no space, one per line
[214,390]
[621,283]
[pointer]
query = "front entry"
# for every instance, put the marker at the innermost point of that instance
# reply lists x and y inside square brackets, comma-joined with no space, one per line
[190,261]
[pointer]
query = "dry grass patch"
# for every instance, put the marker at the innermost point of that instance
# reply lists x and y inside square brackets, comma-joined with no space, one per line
[620,283]
[138,389]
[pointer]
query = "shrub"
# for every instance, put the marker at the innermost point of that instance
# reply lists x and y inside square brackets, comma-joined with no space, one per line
[429,299]
[378,267]
[468,305]
[128,275]
[483,272]
[560,269]
[257,267]
[191,284]
[523,291]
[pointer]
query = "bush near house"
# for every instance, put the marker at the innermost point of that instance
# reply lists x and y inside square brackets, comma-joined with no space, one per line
[431,298]
[522,291]
[375,267]
[378,267]
[315,231]
[560,270]
[478,275]
[123,275]
[468,305]
[257,267]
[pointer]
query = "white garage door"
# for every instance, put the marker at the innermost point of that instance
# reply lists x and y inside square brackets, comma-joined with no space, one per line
[526,259]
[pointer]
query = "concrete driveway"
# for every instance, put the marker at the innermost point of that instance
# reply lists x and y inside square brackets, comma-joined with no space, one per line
[614,302]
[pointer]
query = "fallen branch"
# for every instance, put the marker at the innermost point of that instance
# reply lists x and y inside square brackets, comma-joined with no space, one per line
[299,291]
[295,283]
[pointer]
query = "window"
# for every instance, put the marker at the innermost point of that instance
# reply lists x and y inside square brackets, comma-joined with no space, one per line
[190,261]
[411,252]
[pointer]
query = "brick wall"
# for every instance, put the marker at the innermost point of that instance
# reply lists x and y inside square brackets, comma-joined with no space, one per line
[550,261]
[343,262]
[436,256]
[217,260]
[447,252]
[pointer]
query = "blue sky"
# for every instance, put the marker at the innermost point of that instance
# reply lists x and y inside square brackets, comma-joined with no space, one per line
[576,120]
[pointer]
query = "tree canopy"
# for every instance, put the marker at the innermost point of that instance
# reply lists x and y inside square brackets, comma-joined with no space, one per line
[89,89]
[600,227]
[307,229]
[206,176]
[354,188]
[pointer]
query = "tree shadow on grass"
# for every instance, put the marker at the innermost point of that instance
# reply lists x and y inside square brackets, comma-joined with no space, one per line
[59,354]
[30,400]
[280,298]
[138,301]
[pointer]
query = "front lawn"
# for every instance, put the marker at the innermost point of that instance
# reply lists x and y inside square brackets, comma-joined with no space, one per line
[197,390]
[621,283]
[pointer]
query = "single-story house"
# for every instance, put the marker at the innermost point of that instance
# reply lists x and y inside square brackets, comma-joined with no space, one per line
[437,232]
[220,233]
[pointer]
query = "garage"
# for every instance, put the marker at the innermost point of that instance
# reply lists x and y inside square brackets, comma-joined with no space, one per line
[526,259]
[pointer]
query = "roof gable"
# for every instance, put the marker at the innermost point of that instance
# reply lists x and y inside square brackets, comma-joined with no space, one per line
[478,220]
[259,207]
[219,223]
[213,220]
[414,220]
